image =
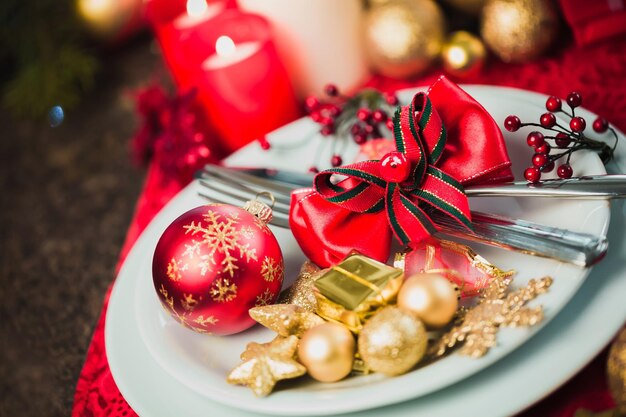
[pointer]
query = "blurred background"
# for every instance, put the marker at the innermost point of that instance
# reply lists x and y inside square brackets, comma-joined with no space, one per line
[98,95]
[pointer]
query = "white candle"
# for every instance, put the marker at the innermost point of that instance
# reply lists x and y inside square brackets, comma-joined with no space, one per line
[198,11]
[319,41]
[227,53]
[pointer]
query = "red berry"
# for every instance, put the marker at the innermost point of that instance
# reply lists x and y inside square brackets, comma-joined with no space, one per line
[389,124]
[316,116]
[326,121]
[512,123]
[600,125]
[334,111]
[336,160]
[265,145]
[548,167]
[574,99]
[394,167]
[553,103]
[564,171]
[540,159]
[532,174]
[355,129]
[535,139]
[360,138]
[562,140]
[331,90]
[547,120]
[314,170]
[311,103]
[391,99]
[327,130]
[369,129]
[543,149]
[577,124]
[379,116]
[363,114]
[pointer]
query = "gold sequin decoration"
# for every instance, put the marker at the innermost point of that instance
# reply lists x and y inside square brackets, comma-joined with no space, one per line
[285,319]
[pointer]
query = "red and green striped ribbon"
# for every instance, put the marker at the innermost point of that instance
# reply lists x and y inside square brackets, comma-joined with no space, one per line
[421,136]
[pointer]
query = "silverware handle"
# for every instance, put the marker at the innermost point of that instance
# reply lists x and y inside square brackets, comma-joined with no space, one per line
[582,249]
[587,187]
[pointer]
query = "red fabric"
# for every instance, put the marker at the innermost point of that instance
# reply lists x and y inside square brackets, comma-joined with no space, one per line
[594,21]
[597,72]
[474,152]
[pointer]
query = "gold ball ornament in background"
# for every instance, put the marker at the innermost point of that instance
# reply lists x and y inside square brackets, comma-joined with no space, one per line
[431,297]
[616,371]
[393,341]
[327,352]
[519,30]
[107,19]
[403,38]
[463,54]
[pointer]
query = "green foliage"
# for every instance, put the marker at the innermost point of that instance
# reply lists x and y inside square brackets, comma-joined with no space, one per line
[44,58]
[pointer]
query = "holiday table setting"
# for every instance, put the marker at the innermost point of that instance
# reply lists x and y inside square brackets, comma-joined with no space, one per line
[408,220]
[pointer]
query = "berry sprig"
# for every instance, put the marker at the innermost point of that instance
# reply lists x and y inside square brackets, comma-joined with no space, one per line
[561,142]
[360,117]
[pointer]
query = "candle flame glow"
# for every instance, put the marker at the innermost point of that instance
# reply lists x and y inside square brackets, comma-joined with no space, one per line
[196,7]
[224,46]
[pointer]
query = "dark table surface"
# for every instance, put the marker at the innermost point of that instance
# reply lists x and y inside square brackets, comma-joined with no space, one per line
[68,195]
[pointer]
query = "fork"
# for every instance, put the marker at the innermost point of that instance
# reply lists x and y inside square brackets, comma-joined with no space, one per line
[224,185]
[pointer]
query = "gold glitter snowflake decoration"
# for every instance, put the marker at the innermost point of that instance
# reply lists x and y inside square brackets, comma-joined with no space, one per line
[497,306]
[220,236]
[202,321]
[264,299]
[174,270]
[188,302]
[223,290]
[270,269]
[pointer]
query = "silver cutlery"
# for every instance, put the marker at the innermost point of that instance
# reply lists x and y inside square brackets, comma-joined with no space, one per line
[232,184]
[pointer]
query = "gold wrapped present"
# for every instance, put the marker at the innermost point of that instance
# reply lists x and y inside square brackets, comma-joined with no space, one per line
[355,289]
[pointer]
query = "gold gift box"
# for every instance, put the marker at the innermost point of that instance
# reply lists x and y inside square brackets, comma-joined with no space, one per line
[355,289]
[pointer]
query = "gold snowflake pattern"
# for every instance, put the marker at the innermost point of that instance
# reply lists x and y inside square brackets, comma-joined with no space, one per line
[270,269]
[247,232]
[174,270]
[497,306]
[208,321]
[169,300]
[264,299]
[262,226]
[188,302]
[222,237]
[223,290]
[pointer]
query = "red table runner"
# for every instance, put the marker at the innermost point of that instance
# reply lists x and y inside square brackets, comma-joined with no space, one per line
[597,72]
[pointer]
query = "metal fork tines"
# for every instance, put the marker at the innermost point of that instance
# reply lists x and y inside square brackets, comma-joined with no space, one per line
[230,186]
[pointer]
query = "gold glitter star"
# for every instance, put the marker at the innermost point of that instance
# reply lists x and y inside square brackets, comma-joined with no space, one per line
[497,306]
[285,319]
[267,363]
[301,292]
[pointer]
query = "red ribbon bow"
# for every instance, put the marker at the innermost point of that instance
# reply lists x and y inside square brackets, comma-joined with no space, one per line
[381,198]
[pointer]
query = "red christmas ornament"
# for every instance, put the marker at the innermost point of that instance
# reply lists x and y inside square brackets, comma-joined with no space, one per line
[214,263]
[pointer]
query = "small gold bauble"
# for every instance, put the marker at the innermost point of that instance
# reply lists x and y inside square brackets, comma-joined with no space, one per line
[327,351]
[616,370]
[463,54]
[392,341]
[431,297]
[404,37]
[519,30]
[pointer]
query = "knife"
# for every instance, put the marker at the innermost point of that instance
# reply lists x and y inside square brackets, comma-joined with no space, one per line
[585,187]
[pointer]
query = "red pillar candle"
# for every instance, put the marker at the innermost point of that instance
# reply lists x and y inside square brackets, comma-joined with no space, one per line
[174,23]
[242,85]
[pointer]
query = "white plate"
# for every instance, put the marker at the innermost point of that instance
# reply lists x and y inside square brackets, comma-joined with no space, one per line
[117,329]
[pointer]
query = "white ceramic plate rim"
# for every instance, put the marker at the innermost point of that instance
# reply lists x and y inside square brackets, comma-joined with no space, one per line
[513,90]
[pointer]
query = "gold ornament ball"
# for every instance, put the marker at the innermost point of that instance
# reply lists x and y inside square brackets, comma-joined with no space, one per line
[463,54]
[393,341]
[327,351]
[616,371]
[519,30]
[105,19]
[403,38]
[431,297]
